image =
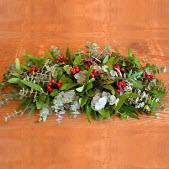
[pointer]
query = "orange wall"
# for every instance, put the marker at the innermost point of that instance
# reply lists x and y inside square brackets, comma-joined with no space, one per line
[33,25]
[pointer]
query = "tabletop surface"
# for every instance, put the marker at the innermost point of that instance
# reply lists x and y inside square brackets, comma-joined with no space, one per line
[35,25]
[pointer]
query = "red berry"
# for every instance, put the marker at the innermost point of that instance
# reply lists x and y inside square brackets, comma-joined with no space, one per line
[94,71]
[99,72]
[92,75]
[76,67]
[148,77]
[124,84]
[53,81]
[123,87]
[50,84]
[67,58]
[77,70]
[93,64]
[86,67]
[33,68]
[90,59]
[58,84]
[71,70]
[29,70]
[59,81]
[146,74]
[57,61]
[122,69]
[58,58]
[118,90]
[62,56]
[50,89]
[118,67]
[114,67]
[152,77]
[120,83]
[39,69]
[85,59]
[119,86]
[74,72]
[63,62]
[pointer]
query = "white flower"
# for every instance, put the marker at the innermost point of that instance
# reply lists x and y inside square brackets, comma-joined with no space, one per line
[101,103]
[113,100]
[104,68]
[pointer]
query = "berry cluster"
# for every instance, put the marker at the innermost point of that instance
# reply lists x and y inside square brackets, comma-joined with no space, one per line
[149,76]
[89,64]
[34,69]
[95,73]
[52,84]
[74,70]
[118,67]
[122,85]
[62,59]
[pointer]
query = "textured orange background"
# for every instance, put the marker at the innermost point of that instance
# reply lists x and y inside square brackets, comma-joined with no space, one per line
[33,25]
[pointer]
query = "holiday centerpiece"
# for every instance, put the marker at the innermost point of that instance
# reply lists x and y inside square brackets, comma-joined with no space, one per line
[97,84]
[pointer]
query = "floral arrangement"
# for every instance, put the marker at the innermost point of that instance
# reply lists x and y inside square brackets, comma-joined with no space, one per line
[98,84]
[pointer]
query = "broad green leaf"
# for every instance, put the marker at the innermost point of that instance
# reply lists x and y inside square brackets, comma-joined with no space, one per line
[138,84]
[32,85]
[66,68]
[88,112]
[41,101]
[25,103]
[32,111]
[50,55]
[89,86]
[16,74]
[106,59]
[100,117]
[130,52]
[136,75]
[110,63]
[17,65]
[68,86]
[109,82]
[115,61]
[80,89]
[109,87]
[94,115]
[54,92]
[132,115]
[77,60]
[104,113]
[121,101]
[124,63]
[14,80]
[130,73]
[134,95]
[84,100]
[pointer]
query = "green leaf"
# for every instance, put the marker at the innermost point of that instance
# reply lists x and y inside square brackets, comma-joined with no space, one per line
[84,100]
[17,65]
[109,87]
[32,85]
[32,111]
[88,112]
[88,73]
[100,117]
[121,101]
[163,69]
[132,115]
[54,92]
[68,86]
[68,54]
[89,86]
[16,74]
[136,75]
[50,55]
[138,84]
[130,52]
[77,60]
[80,89]
[106,59]
[130,73]
[109,63]
[124,63]
[66,68]
[115,61]
[104,113]
[94,115]
[26,102]
[13,80]
[45,117]
[41,101]
[134,95]
[109,82]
